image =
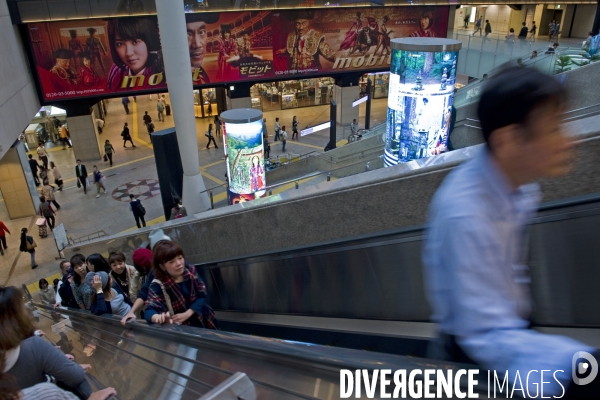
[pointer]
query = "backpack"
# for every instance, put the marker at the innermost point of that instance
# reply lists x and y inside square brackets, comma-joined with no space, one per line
[140,208]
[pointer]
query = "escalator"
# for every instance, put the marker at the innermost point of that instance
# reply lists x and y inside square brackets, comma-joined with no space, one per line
[175,362]
[367,292]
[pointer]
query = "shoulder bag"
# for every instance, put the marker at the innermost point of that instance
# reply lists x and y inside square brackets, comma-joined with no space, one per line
[167,298]
[30,245]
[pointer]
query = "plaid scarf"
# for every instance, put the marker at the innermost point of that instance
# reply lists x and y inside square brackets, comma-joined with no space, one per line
[178,302]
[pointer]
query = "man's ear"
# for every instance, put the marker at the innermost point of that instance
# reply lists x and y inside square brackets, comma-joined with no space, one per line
[505,139]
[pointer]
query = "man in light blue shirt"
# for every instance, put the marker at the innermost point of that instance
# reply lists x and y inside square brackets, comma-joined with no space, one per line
[475,249]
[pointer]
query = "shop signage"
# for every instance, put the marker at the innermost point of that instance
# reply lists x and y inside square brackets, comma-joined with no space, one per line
[123,56]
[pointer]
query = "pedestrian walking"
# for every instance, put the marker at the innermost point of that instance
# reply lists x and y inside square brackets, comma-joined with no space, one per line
[209,135]
[178,211]
[160,107]
[217,121]
[209,109]
[57,176]
[81,174]
[47,212]
[532,32]
[126,136]
[108,151]
[294,128]
[264,128]
[64,137]
[283,137]
[510,38]
[551,27]
[354,127]
[51,129]
[147,119]
[523,33]
[488,27]
[556,31]
[33,164]
[266,147]
[47,192]
[125,101]
[98,180]
[28,245]
[277,129]
[3,231]
[478,26]
[138,210]
[99,124]
[466,20]
[150,129]
[42,154]
[57,123]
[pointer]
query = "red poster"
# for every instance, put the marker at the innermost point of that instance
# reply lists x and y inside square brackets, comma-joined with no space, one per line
[123,56]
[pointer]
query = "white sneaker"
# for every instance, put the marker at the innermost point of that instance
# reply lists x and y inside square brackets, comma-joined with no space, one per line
[97,195]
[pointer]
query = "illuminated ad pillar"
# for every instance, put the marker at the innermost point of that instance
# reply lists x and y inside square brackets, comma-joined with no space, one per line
[244,152]
[422,77]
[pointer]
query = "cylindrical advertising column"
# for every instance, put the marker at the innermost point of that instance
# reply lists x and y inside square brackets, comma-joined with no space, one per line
[174,42]
[243,138]
[422,77]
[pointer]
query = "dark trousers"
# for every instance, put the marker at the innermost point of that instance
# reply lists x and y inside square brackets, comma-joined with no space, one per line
[109,155]
[2,244]
[283,146]
[211,138]
[50,219]
[126,107]
[139,218]
[66,142]
[36,179]
[295,133]
[128,140]
[83,181]
[55,203]
[45,161]
[276,136]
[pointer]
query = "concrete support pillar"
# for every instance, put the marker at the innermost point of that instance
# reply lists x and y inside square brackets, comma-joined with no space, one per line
[240,96]
[174,43]
[17,183]
[84,136]
[596,26]
[346,90]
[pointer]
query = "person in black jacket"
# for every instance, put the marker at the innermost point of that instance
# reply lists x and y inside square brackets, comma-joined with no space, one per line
[81,174]
[138,210]
[523,33]
[34,169]
[126,136]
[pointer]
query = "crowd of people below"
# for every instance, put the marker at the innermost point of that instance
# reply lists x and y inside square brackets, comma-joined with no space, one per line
[160,287]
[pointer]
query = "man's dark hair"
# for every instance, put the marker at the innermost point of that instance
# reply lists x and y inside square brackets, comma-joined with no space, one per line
[511,95]
[131,196]
[30,156]
[78,160]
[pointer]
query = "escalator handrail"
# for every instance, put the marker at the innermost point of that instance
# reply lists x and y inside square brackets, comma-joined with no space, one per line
[315,355]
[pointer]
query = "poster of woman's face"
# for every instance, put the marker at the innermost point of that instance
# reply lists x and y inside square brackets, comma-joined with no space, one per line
[227,47]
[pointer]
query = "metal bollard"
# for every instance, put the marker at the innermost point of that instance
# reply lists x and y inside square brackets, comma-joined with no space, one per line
[328,176]
[368,166]
[296,184]
[212,204]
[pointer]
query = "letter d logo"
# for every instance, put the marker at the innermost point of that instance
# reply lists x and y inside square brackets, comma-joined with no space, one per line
[581,368]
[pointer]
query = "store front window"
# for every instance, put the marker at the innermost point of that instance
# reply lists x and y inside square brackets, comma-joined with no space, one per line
[205,103]
[271,96]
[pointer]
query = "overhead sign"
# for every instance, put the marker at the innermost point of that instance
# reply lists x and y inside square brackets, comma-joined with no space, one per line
[316,128]
[360,101]
[81,58]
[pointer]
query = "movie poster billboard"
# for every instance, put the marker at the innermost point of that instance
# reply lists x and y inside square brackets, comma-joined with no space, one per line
[245,160]
[419,104]
[123,56]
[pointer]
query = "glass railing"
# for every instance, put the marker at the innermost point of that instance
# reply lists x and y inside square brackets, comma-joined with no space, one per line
[481,54]
[564,60]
